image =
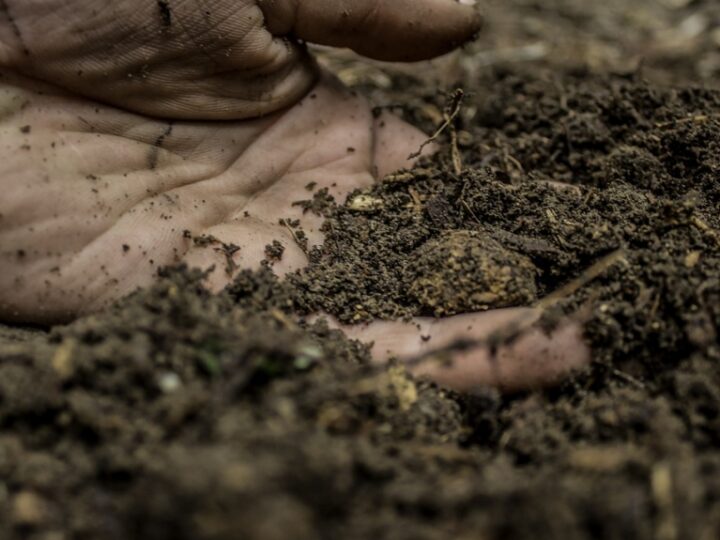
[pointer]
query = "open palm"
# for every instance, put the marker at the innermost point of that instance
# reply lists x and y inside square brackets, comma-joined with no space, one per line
[106,177]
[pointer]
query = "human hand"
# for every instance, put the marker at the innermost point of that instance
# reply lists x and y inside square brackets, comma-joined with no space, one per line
[113,149]
[213,59]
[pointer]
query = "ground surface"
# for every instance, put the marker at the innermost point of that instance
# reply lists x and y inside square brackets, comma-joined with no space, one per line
[178,414]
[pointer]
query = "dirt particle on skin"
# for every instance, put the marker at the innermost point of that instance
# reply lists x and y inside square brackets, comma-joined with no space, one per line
[319,204]
[227,249]
[166,15]
[274,251]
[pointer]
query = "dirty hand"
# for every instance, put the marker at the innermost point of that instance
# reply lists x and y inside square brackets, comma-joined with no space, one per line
[126,123]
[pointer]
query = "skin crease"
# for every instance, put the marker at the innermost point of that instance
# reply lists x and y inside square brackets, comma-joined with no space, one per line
[124,124]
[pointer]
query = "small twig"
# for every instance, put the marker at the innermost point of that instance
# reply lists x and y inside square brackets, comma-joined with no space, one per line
[704,227]
[583,279]
[514,161]
[455,152]
[300,244]
[699,118]
[627,378]
[467,207]
[451,112]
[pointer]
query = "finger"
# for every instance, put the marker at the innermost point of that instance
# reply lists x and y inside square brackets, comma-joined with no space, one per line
[401,30]
[533,360]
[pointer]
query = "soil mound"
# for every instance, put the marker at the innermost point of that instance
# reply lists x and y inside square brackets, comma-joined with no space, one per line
[181,414]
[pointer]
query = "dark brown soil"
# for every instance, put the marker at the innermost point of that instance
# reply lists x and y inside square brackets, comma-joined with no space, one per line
[180,414]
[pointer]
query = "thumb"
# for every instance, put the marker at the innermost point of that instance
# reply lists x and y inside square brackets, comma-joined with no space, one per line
[396,30]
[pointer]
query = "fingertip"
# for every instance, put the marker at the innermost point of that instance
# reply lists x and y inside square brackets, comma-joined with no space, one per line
[428,29]
[402,30]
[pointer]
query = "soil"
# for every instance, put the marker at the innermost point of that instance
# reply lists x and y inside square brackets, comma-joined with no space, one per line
[183,414]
